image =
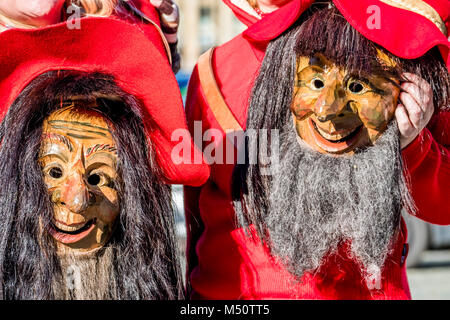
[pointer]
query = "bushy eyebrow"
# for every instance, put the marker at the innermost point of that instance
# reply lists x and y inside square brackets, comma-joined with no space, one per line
[100,147]
[59,138]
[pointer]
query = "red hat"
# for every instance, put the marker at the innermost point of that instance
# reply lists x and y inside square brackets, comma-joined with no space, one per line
[406,28]
[243,16]
[275,23]
[116,48]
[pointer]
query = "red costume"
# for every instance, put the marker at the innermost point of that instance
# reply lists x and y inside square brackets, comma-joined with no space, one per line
[224,263]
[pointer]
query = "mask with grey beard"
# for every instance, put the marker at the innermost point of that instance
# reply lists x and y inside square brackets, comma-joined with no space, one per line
[87,277]
[315,202]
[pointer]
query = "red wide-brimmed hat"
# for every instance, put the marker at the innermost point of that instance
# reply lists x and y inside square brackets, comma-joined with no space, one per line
[135,59]
[406,28]
[242,15]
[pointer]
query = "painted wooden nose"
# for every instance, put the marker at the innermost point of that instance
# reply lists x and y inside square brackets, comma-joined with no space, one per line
[330,103]
[75,194]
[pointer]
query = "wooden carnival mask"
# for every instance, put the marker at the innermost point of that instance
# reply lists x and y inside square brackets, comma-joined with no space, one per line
[336,111]
[78,158]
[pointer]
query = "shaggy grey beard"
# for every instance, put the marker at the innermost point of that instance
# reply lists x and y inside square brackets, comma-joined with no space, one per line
[87,276]
[318,201]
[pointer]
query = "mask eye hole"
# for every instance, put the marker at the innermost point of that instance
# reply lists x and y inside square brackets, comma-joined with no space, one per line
[317,84]
[356,87]
[55,172]
[94,179]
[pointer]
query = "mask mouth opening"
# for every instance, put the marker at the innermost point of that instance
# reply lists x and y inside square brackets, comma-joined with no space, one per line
[71,234]
[342,136]
[342,145]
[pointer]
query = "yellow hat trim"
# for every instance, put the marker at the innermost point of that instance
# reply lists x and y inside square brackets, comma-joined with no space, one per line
[422,8]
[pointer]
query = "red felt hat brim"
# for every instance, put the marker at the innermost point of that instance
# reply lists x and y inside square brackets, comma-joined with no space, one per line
[404,33]
[116,48]
[240,14]
[275,23]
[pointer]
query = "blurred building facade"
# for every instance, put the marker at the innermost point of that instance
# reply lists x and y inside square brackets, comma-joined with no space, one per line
[203,24]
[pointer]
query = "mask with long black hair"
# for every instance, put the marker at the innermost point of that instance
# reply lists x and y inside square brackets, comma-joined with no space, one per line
[139,261]
[312,203]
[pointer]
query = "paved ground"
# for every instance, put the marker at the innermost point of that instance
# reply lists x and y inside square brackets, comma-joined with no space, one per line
[431,279]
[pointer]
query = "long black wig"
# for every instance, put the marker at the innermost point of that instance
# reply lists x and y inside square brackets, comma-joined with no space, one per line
[146,265]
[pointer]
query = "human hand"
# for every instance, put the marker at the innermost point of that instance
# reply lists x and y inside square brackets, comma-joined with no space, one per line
[415,108]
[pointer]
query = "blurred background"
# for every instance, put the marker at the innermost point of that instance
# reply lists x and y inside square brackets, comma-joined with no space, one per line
[207,23]
[203,24]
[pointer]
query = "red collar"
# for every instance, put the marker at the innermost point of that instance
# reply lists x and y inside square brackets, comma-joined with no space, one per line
[275,23]
[242,15]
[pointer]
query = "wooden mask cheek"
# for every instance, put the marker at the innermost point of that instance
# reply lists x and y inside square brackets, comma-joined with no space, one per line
[102,181]
[303,102]
[304,96]
[376,110]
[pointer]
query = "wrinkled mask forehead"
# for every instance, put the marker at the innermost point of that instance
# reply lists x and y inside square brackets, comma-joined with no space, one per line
[338,110]
[78,157]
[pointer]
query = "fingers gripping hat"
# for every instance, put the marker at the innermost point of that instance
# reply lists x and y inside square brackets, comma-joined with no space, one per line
[122,50]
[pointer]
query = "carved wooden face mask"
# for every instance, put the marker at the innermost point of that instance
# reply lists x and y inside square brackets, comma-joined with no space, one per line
[78,158]
[336,111]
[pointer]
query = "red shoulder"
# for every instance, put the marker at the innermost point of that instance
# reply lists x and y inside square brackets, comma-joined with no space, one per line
[236,65]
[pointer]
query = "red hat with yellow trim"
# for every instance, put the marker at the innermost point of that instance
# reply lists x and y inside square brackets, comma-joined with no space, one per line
[119,49]
[406,28]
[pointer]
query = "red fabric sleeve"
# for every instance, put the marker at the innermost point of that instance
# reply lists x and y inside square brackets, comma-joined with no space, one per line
[427,161]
